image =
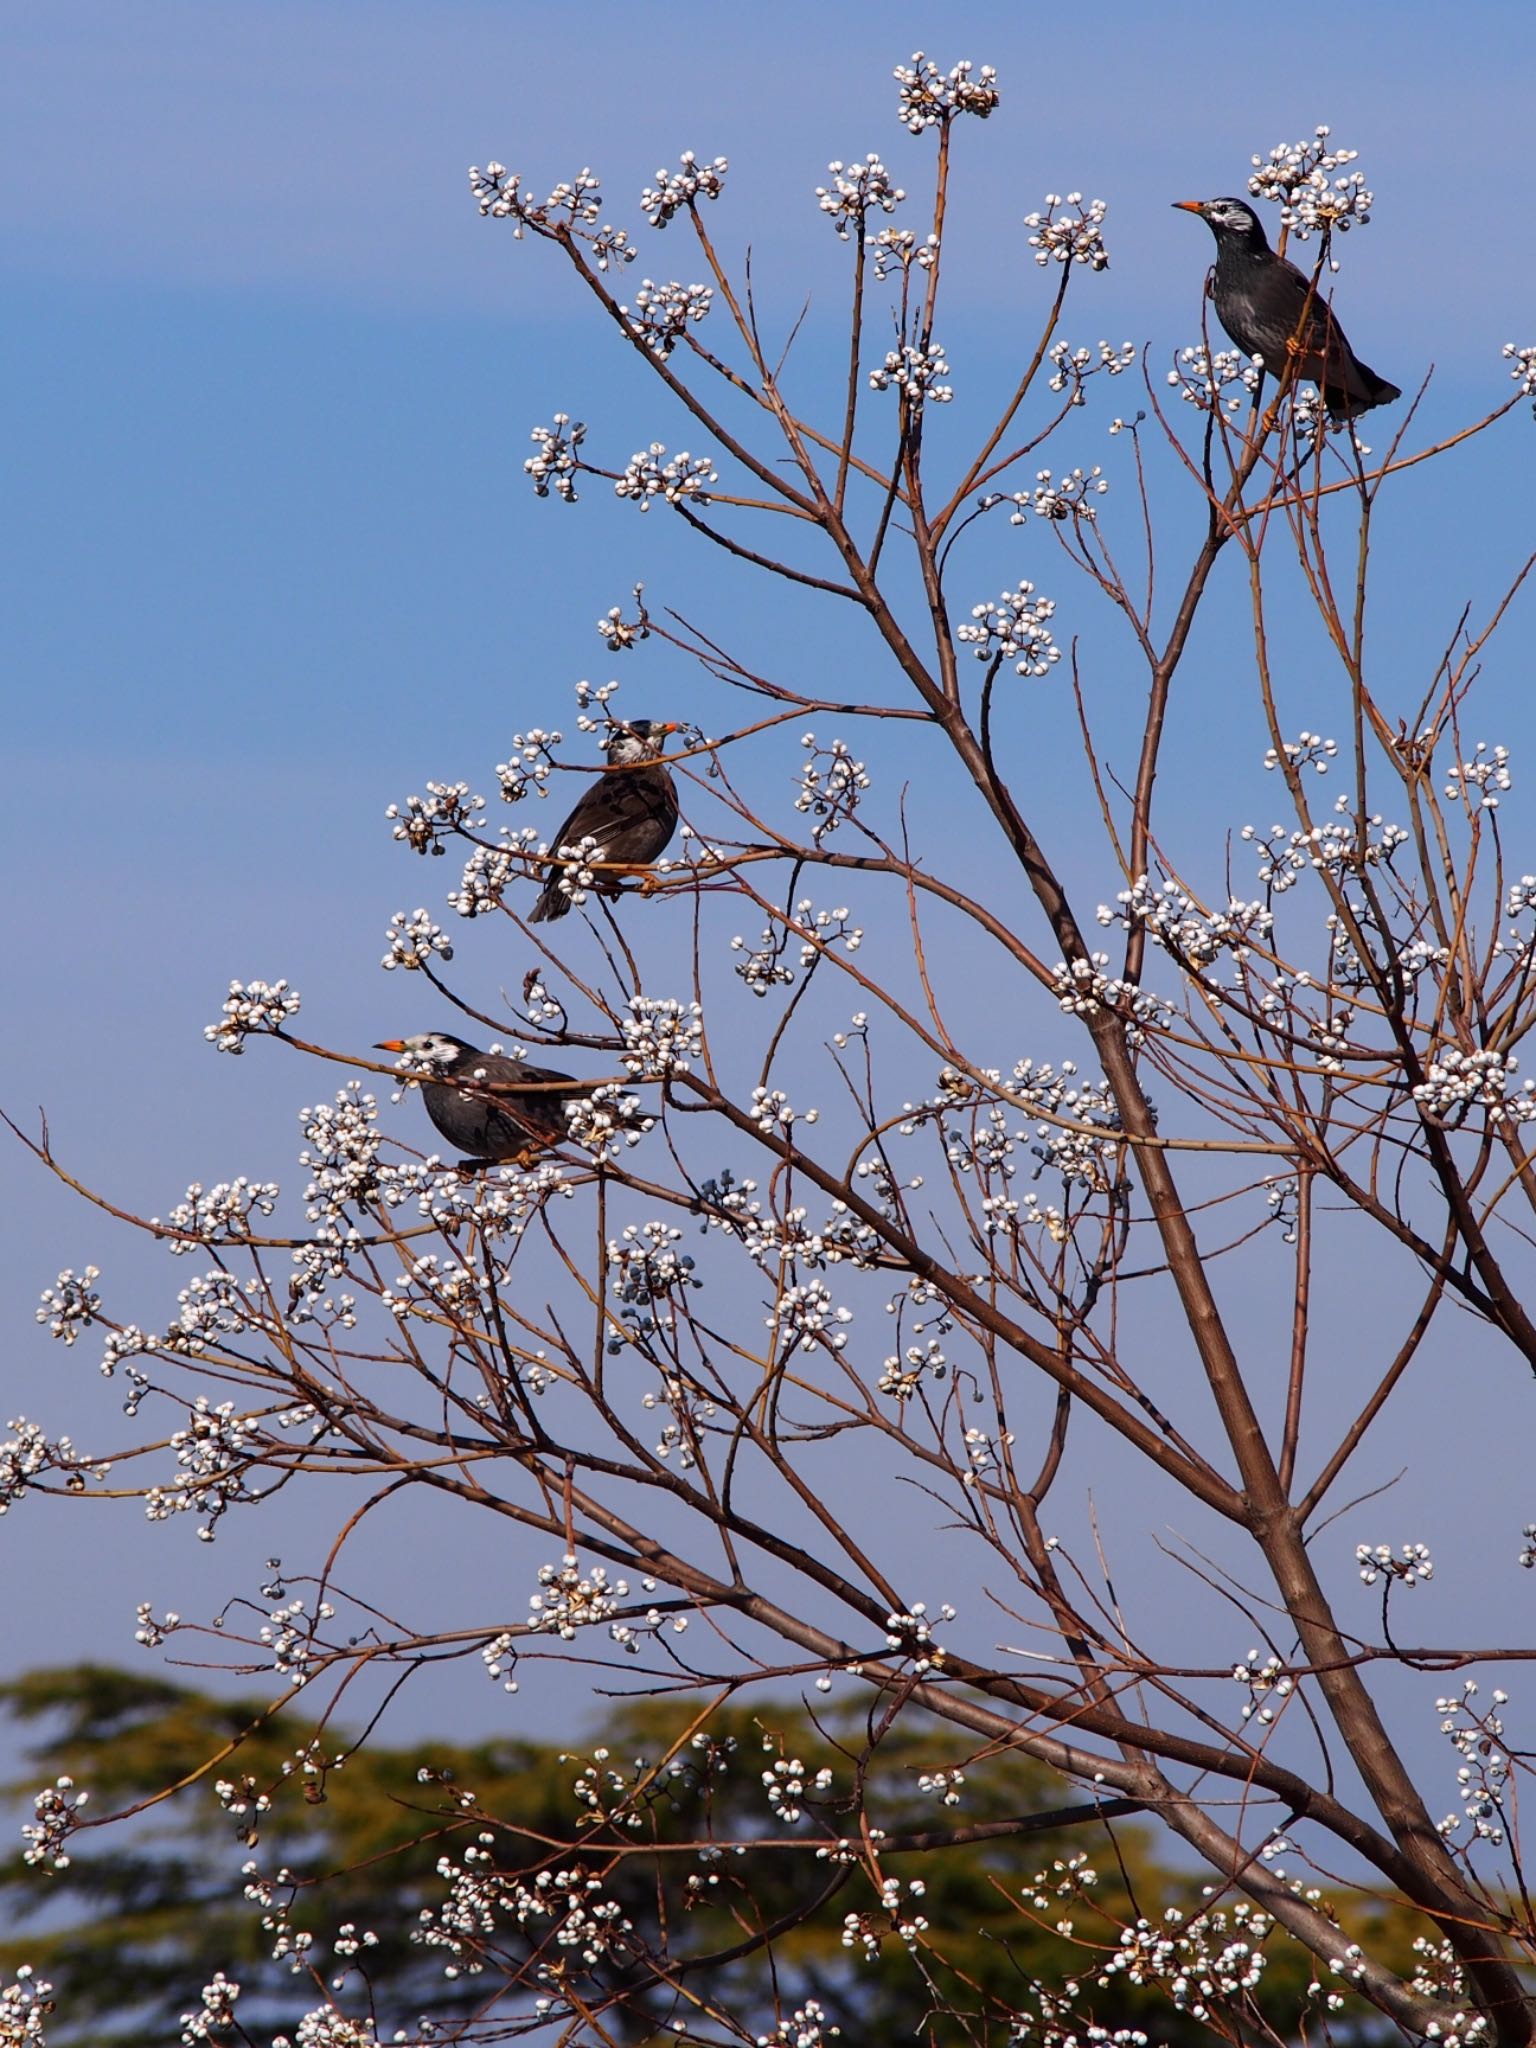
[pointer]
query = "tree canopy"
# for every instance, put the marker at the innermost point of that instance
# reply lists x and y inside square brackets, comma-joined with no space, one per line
[942,1238]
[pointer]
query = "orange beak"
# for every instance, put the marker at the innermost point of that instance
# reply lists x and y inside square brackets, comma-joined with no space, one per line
[1190,205]
[390,1045]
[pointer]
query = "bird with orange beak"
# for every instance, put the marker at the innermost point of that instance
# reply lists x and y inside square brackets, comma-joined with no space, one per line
[626,819]
[1271,310]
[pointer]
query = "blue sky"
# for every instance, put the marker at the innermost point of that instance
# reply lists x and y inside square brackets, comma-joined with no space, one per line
[271,559]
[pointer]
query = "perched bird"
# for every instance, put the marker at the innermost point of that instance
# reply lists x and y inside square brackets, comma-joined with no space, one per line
[1270,310]
[629,814]
[488,1106]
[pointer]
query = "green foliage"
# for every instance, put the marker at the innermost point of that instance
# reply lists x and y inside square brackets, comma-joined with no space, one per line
[157,1904]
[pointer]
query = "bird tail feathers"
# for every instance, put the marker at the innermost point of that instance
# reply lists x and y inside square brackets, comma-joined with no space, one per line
[553,902]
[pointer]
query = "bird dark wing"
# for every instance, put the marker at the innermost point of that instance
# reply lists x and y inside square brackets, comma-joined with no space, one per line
[1279,307]
[631,813]
[625,808]
[496,1110]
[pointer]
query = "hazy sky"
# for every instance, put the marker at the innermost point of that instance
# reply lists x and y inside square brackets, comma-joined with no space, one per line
[270,560]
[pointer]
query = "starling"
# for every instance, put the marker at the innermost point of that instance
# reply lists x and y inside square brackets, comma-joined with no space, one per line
[1271,310]
[629,814]
[488,1106]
